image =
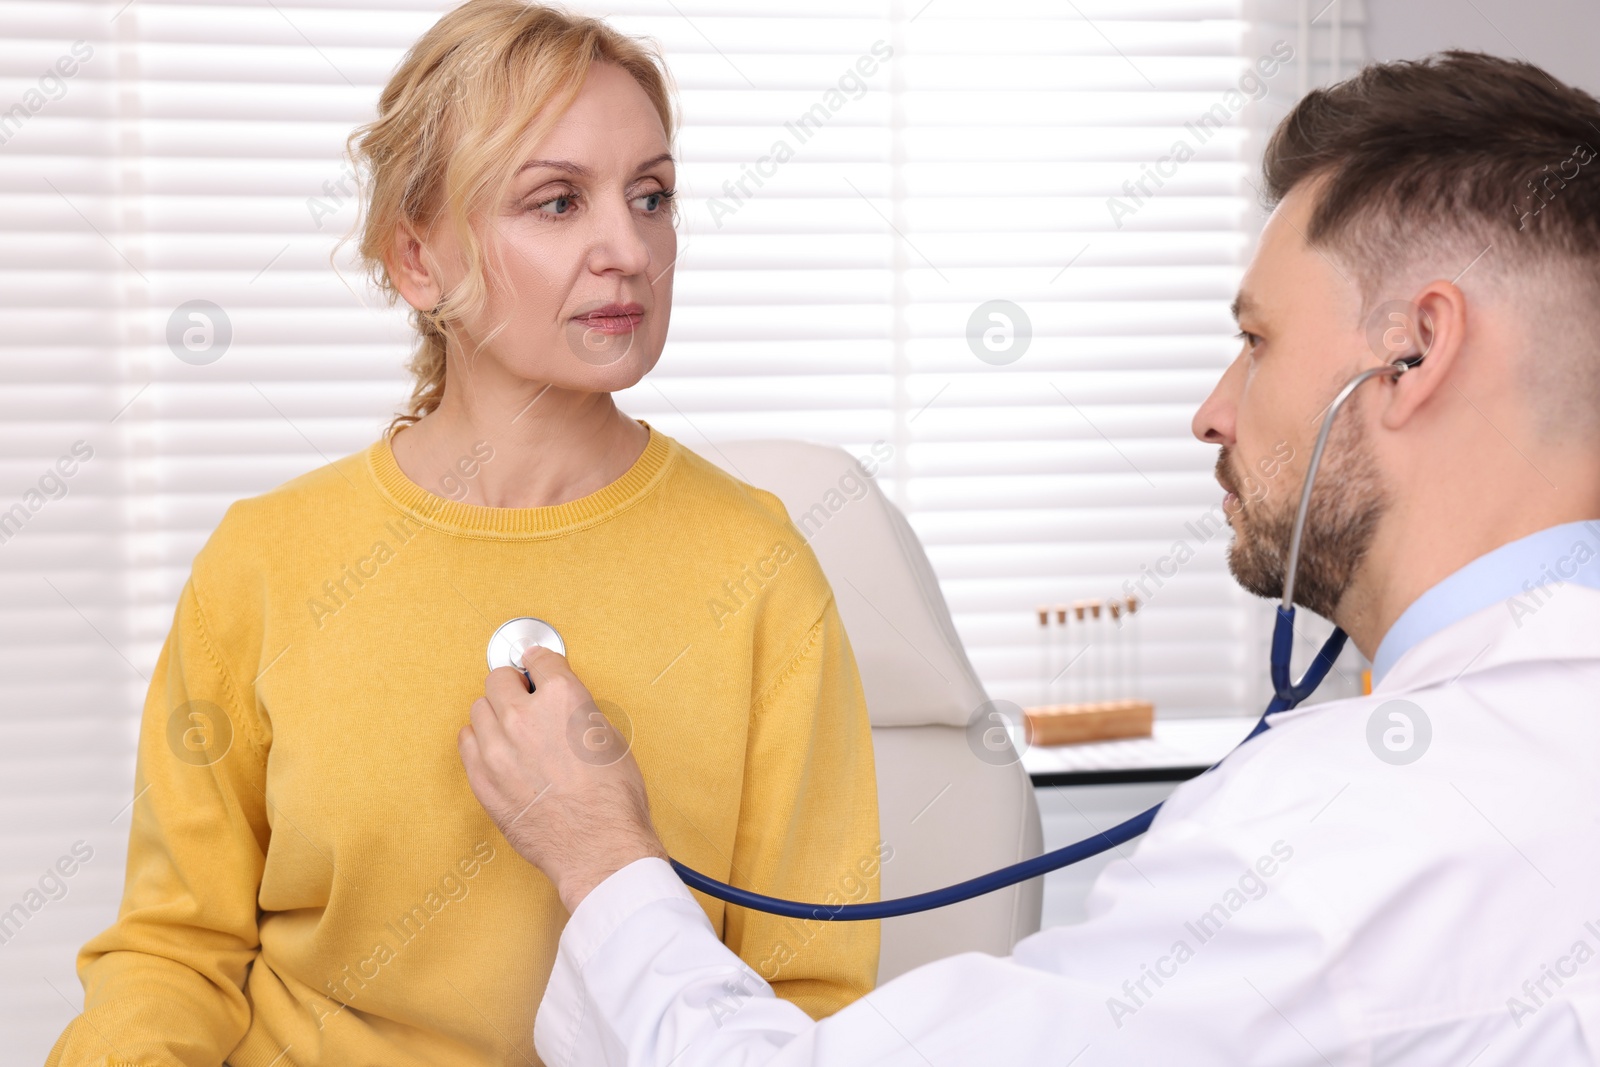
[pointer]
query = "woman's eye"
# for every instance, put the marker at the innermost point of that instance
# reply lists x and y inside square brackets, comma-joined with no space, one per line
[557,205]
[1251,340]
[653,202]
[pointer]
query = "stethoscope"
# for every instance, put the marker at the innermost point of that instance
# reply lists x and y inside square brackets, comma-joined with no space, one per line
[511,640]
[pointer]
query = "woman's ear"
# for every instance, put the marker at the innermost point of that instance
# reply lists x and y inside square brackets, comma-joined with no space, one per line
[1437,332]
[407,261]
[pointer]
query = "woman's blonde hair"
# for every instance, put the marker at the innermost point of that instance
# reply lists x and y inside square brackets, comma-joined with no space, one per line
[449,122]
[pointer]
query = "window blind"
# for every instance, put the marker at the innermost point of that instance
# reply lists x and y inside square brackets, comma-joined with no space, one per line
[860,179]
[68,691]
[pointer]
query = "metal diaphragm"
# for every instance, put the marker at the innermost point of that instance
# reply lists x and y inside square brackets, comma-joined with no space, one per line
[516,636]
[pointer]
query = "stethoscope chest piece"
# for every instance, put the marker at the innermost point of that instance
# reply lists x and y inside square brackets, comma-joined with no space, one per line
[516,636]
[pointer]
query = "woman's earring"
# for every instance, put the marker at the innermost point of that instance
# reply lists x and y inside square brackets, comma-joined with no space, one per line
[435,318]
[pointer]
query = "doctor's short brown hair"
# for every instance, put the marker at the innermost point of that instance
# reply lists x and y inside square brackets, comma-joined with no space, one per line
[1460,152]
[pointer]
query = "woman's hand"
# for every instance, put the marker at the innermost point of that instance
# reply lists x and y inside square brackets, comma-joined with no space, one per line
[556,777]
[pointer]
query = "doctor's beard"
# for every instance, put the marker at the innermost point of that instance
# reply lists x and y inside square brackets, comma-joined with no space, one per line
[1346,504]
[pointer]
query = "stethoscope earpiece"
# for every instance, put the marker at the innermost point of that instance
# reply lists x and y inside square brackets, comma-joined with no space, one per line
[1405,363]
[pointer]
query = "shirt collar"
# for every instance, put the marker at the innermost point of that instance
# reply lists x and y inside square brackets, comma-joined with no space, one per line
[1566,553]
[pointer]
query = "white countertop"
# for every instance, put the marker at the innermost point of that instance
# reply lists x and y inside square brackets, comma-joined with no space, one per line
[1177,743]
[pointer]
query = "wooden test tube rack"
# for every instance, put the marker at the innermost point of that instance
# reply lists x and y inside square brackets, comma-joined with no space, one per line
[1058,722]
[1107,720]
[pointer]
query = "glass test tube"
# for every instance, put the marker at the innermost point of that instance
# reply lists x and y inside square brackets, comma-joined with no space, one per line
[1098,675]
[1080,668]
[1062,676]
[1046,657]
[1135,628]
[1118,672]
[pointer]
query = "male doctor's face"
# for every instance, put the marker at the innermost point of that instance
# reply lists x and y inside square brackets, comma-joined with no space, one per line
[1303,338]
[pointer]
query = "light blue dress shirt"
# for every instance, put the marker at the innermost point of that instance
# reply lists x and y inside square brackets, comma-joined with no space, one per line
[1565,553]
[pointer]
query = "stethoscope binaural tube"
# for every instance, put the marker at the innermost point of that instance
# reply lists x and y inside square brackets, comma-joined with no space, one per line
[1393,370]
[1287,694]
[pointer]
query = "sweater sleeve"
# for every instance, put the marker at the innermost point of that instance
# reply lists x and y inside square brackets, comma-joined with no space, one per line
[164,984]
[808,827]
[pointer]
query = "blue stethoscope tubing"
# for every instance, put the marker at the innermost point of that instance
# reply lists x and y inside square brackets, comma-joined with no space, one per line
[1287,697]
[1287,694]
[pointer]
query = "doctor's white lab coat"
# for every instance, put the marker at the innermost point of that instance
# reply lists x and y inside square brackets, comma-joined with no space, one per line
[1411,877]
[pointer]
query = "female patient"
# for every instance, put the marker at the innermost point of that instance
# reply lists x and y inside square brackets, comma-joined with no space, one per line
[310,880]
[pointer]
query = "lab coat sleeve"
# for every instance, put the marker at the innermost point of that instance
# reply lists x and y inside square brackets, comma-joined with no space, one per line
[164,983]
[641,978]
[1190,955]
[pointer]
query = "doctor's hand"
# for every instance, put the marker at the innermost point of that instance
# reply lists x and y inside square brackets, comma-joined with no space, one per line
[555,776]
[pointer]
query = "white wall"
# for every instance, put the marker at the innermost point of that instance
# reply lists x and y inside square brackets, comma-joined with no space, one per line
[1558,35]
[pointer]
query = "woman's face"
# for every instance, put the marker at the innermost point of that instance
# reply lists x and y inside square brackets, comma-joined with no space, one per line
[580,254]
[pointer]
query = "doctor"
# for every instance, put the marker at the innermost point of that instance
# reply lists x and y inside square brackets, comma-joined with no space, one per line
[1411,877]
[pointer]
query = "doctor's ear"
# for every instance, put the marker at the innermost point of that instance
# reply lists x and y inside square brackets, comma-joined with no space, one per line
[1428,333]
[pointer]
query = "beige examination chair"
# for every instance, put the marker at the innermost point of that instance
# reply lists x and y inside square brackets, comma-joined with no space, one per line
[947,813]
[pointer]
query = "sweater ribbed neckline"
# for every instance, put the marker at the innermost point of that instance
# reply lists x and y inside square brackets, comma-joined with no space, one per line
[454,517]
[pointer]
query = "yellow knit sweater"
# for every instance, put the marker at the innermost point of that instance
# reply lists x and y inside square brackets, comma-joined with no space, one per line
[310,880]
